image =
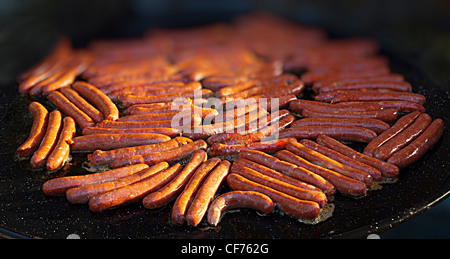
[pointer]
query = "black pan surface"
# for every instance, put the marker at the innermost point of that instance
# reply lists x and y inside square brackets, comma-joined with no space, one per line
[25,212]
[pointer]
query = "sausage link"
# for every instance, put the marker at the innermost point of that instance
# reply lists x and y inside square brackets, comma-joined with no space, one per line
[271,146]
[82,104]
[129,100]
[395,129]
[419,146]
[386,169]
[400,106]
[49,141]
[328,96]
[61,152]
[337,81]
[334,155]
[324,161]
[115,141]
[344,133]
[98,98]
[232,89]
[67,107]
[100,157]
[82,194]
[164,131]
[171,190]
[403,138]
[386,115]
[173,155]
[37,132]
[377,126]
[150,90]
[290,205]
[342,183]
[303,194]
[294,175]
[395,86]
[133,192]
[298,105]
[205,194]
[238,199]
[183,201]
[391,96]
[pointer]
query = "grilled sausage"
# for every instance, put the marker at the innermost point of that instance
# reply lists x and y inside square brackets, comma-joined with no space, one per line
[377,126]
[395,86]
[67,107]
[271,146]
[344,133]
[391,96]
[37,132]
[82,104]
[171,132]
[386,115]
[61,152]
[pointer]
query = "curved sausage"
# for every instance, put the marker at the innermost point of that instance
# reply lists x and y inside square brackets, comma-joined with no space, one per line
[290,205]
[37,132]
[271,146]
[173,155]
[171,190]
[183,201]
[98,98]
[133,192]
[386,169]
[403,138]
[205,194]
[419,146]
[115,141]
[398,126]
[61,152]
[60,185]
[100,157]
[83,193]
[67,107]
[386,115]
[376,125]
[238,199]
[49,141]
[342,183]
[324,161]
[344,133]
[82,104]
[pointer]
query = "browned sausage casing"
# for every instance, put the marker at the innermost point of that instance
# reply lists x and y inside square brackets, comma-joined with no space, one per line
[37,132]
[61,151]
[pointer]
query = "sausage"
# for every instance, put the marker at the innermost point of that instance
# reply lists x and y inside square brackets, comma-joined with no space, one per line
[100,157]
[391,96]
[37,132]
[49,141]
[169,113]
[271,146]
[235,88]
[152,90]
[140,83]
[330,153]
[290,205]
[129,100]
[153,108]
[231,113]
[173,155]
[386,169]
[60,185]
[171,132]
[338,81]
[328,96]
[386,115]
[395,86]
[343,184]
[395,129]
[61,152]
[376,125]
[418,147]
[171,190]
[67,107]
[114,141]
[133,192]
[303,194]
[324,161]
[403,138]
[311,77]
[195,118]
[299,176]
[183,201]
[205,194]
[134,124]
[294,88]
[82,104]
[82,194]
[298,105]
[344,133]
[400,106]
[98,98]
[238,199]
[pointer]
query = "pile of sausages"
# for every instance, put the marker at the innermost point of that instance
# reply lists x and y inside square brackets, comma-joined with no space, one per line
[170,118]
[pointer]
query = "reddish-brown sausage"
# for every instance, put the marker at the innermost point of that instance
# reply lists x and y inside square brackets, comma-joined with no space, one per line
[377,126]
[238,199]
[271,146]
[82,104]
[61,185]
[49,141]
[133,192]
[419,146]
[298,105]
[183,201]
[171,190]
[67,107]
[391,96]
[61,151]
[399,125]
[395,86]
[290,205]
[344,133]
[386,115]
[403,138]
[37,132]
[400,106]
[171,132]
